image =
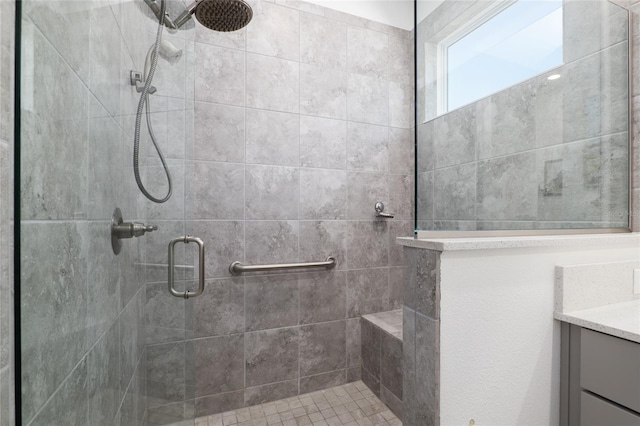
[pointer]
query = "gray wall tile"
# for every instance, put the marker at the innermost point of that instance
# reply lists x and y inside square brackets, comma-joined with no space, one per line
[323,194]
[372,382]
[207,184]
[271,241]
[174,413]
[232,40]
[401,195]
[323,143]
[271,356]
[354,343]
[421,278]
[58,191]
[164,310]
[69,403]
[390,400]
[367,244]
[590,27]
[367,292]
[323,91]
[397,229]
[367,99]
[367,147]
[219,133]
[354,374]
[410,400]
[391,364]
[371,341]
[165,373]
[224,243]
[274,31]
[455,192]
[272,192]
[425,147]
[271,302]
[321,239]
[401,151]
[322,381]
[364,190]
[427,385]
[507,187]
[57,337]
[273,83]
[368,52]
[219,365]
[272,392]
[323,42]
[454,137]
[323,296]
[512,126]
[322,348]
[220,75]
[103,378]
[218,403]
[219,310]
[273,138]
[103,293]
[396,287]
[401,104]
[132,338]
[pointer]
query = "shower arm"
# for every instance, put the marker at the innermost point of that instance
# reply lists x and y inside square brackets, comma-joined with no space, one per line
[171,26]
[186,15]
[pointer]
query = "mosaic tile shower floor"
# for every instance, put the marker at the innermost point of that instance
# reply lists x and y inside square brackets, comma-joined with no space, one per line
[352,404]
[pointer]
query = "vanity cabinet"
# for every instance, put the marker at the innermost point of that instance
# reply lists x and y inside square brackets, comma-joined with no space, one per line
[600,379]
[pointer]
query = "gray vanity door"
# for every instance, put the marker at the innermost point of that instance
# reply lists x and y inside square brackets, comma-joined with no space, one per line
[610,367]
[597,412]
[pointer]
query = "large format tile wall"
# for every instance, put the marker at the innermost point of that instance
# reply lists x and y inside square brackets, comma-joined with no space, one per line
[302,122]
[83,358]
[421,338]
[7,49]
[541,154]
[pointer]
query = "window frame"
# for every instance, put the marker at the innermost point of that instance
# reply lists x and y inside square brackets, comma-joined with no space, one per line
[494,8]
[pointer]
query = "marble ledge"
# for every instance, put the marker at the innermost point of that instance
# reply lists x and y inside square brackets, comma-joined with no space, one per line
[509,242]
[389,322]
[617,319]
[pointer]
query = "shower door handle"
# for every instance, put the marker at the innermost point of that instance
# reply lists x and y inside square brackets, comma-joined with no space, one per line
[187,293]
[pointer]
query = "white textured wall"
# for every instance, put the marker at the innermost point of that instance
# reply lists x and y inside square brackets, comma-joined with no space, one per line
[500,347]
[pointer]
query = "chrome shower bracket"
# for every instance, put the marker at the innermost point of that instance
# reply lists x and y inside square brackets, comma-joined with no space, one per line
[121,230]
[187,293]
[379,207]
[135,78]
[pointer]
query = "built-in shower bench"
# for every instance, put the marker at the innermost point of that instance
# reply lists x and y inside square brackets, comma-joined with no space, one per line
[381,337]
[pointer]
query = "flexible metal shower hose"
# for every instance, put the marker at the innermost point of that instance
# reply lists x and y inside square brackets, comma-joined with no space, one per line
[144,102]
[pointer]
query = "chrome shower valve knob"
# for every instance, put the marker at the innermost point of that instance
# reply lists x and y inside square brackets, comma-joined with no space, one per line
[122,230]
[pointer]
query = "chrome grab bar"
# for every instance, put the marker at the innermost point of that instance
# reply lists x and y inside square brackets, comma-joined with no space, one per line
[188,293]
[237,268]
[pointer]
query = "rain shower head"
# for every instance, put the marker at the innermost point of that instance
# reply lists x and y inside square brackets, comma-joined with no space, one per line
[218,15]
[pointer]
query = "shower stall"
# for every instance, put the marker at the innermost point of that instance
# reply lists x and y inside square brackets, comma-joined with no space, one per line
[277,140]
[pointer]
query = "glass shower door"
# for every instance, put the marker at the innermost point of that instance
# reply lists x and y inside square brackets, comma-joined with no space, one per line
[103,340]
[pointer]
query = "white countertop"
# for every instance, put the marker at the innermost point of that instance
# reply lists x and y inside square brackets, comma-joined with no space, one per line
[484,243]
[618,319]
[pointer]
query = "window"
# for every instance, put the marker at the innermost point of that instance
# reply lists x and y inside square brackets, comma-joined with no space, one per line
[512,42]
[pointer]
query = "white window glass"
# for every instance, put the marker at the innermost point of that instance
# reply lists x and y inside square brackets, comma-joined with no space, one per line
[519,42]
